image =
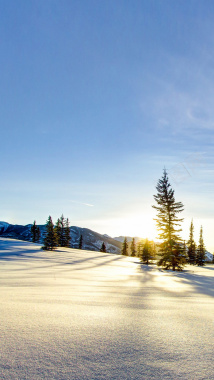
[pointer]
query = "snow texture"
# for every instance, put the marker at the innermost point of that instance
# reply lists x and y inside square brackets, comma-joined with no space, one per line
[83,315]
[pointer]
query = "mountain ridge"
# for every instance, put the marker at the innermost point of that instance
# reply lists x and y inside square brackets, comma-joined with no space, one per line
[91,240]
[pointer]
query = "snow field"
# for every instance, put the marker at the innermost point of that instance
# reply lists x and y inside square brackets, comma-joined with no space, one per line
[71,314]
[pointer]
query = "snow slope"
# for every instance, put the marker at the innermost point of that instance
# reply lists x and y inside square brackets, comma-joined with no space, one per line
[86,315]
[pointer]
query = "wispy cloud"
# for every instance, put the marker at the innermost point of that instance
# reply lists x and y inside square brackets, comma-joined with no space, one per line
[82,203]
[181,97]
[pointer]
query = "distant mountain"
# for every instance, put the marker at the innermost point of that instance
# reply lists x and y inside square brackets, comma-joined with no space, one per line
[209,256]
[129,239]
[91,240]
[3,226]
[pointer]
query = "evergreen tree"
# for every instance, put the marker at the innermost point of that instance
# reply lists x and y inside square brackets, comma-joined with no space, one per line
[125,248]
[191,246]
[38,234]
[147,252]
[60,230]
[153,249]
[57,230]
[133,248]
[67,234]
[80,242]
[139,248]
[62,237]
[50,240]
[103,248]
[35,232]
[167,223]
[200,254]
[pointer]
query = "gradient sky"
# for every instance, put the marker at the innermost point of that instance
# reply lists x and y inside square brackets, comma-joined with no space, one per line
[97,97]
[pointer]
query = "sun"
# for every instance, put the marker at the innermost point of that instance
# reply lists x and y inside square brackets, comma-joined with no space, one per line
[133,224]
[137,225]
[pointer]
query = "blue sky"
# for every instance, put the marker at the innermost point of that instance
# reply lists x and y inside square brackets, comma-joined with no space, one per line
[97,97]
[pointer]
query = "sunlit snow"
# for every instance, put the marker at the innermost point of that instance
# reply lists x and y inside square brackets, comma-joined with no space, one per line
[71,314]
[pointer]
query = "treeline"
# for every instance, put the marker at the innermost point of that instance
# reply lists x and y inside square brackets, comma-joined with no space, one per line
[144,249]
[147,251]
[196,255]
[172,252]
[57,235]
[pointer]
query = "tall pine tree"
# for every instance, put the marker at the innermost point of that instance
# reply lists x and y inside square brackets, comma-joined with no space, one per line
[50,240]
[200,254]
[168,222]
[191,246]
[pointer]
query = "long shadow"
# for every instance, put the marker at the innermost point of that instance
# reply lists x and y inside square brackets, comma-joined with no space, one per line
[210,268]
[199,283]
[89,267]
[5,256]
[60,263]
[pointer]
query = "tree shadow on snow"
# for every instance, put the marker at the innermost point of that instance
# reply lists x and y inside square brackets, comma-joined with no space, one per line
[197,283]
[200,283]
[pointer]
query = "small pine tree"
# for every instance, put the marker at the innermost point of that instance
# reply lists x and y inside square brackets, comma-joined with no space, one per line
[35,232]
[38,234]
[179,255]
[125,248]
[50,240]
[80,242]
[57,230]
[139,248]
[62,236]
[147,253]
[133,248]
[103,248]
[67,234]
[153,249]
[60,229]
[191,246]
[168,222]
[200,254]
